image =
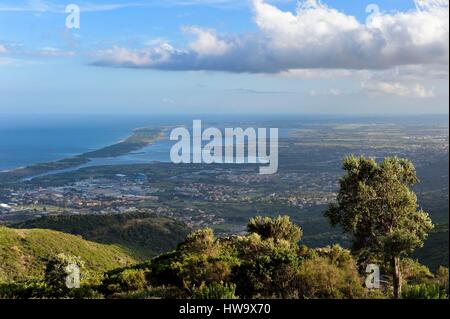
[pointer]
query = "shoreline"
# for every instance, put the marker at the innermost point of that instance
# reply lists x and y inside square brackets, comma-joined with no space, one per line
[141,138]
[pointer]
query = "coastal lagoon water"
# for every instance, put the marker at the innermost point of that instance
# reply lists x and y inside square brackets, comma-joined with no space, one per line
[31,139]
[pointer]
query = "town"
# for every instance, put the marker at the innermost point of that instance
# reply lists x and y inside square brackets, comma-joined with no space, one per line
[122,193]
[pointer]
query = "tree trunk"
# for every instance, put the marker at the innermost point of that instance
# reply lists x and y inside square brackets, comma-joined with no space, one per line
[397,277]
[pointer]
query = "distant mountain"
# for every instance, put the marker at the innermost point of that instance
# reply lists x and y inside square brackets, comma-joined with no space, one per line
[24,252]
[142,235]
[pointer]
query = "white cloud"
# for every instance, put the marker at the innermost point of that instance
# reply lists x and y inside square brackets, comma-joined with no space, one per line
[396,89]
[316,37]
[17,50]
[319,73]
[422,92]
[4,61]
[207,42]
[145,57]
[330,92]
[52,52]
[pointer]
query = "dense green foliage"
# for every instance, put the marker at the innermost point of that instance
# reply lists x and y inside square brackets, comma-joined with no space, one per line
[279,228]
[377,207]
[252,266]
[424,291]
[215,291]
[141,235]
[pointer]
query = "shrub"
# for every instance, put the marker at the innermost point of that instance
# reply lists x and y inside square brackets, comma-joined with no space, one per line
[125,281]
[320,278]
[415,273]
[200,259]
[424,291]
[277,228]
[23,290]
[202,241]
[266,268]
[442,277]
[215,291]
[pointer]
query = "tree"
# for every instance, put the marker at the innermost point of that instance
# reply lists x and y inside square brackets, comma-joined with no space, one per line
[377,206]
[277,228]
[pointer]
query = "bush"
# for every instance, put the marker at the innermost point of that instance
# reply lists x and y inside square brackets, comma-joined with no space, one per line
[200,259]
[38,289]
[424,291]
[277,228]
[125,281]
[215,291]
[23,290]
[266,268]
[320,278]
[442,277]
[415,273]
[202,241]
[195,270]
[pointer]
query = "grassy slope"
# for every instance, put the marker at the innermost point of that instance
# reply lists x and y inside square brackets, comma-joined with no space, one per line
[23,252]
[141,235]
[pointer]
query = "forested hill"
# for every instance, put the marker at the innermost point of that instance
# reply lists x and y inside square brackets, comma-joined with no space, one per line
[142,235]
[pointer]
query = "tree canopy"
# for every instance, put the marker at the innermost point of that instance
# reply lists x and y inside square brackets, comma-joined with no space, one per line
[377,206]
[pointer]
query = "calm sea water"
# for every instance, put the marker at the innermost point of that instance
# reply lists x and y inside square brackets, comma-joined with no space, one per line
[30,139]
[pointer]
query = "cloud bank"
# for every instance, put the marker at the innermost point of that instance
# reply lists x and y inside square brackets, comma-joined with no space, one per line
[315,36]
[3,49]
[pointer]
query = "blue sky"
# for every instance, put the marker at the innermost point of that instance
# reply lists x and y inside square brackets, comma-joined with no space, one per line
[224,56]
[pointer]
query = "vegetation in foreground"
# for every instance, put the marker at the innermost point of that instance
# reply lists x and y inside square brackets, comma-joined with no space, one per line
[266,263]
[375,206]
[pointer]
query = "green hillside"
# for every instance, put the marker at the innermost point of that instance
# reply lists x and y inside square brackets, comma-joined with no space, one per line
[23,252]
[142,235]
[435,251]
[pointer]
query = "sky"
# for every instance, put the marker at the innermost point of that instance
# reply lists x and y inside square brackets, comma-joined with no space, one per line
[225,56]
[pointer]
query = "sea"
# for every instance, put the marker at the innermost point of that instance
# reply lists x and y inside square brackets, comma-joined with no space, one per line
[27,139]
